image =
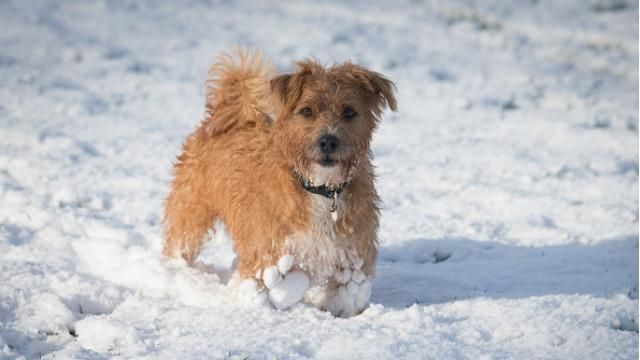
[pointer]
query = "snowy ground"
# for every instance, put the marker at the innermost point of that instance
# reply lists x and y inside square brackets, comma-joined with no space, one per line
[509,179]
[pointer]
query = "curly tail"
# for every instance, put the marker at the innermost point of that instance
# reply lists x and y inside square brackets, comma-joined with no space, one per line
[237,91]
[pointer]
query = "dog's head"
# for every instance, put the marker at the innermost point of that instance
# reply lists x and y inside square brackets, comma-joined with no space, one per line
[326,118]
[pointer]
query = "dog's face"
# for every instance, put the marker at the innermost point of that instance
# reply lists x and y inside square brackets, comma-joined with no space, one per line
[326,118]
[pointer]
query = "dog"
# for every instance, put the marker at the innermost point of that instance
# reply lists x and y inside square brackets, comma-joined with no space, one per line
[284,161]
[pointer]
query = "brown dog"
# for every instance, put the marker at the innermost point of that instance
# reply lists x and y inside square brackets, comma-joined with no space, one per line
[284,162]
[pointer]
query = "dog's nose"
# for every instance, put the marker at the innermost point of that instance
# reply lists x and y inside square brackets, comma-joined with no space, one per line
[328,144]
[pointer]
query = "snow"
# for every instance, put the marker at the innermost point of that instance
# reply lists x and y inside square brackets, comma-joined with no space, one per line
[509,180]
[358,276]
[290,290]
[285,263]
[271,276]
[348,297]
[285,288]
[247,291]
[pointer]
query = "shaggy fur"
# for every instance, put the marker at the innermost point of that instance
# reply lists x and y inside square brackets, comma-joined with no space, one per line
[241,166]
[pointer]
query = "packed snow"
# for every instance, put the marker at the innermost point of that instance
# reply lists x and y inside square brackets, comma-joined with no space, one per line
[509,180]
[290,290]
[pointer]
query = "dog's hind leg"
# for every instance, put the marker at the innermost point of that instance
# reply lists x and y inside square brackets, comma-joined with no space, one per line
[187,221]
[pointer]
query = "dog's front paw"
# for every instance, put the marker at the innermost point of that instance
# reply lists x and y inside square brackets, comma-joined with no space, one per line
[356,291]
[353,291]
[285,287]
[290,290]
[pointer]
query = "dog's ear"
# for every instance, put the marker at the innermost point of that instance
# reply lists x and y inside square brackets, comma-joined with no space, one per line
[288,88]
[284,88]
[380,90]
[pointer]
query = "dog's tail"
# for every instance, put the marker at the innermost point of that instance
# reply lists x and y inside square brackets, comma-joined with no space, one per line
[237,91]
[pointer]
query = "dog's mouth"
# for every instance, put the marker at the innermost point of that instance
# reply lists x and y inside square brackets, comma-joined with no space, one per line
[329,170]
[327,161]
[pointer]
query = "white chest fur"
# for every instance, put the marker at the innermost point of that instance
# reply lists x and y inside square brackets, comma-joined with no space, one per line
[321,250]
[337,282]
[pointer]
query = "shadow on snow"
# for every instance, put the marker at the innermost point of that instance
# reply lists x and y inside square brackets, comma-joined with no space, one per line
[431,271]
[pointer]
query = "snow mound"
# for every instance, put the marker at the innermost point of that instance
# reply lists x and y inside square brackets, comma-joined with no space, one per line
[290,290]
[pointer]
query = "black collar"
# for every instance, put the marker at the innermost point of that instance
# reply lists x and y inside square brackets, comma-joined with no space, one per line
[327,191]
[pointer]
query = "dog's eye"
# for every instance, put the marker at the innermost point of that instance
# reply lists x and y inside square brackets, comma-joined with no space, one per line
[348,113]
[306,112]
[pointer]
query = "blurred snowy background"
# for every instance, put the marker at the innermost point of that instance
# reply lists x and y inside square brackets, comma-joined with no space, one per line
[509,179]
